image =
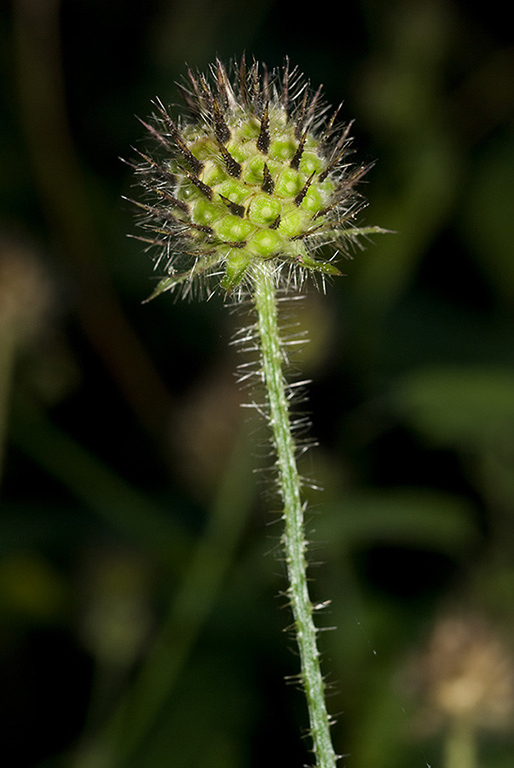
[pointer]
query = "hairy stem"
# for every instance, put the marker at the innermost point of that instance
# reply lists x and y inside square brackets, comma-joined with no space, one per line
[294,541]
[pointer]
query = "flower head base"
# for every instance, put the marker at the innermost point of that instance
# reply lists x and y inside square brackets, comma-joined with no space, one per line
[259,172]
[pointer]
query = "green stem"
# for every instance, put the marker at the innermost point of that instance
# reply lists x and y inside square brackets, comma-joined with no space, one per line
[294,541]
[461,746]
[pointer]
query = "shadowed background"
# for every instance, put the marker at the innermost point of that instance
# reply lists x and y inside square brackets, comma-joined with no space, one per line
[140,574]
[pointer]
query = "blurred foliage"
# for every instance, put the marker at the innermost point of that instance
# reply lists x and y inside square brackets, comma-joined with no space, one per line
[140,562]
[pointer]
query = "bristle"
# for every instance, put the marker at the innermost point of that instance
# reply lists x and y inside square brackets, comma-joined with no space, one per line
[190,100]
[338,153]
[153,168]
[221,129]
[254,93]
[263,141]
[156,135]
[148,240]
[307,233]
[295,160]
[329,125]
[207,93]
[196,95]
[174,201]
[265,94]
[200,228]
[323,212]
[313,106]
[233,167]
[221,80]
[268,185]
[193,162]
[335,162]
[237,210]
[153,210]
[243,82]
[301,194]
[332,165]
[285,88]
[300,117]
[204,188]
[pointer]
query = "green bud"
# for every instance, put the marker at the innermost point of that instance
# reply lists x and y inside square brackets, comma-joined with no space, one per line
[235,267]
[263,210]
[232,228]
[265,244]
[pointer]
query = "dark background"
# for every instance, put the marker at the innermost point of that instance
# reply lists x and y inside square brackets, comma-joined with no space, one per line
[140,572]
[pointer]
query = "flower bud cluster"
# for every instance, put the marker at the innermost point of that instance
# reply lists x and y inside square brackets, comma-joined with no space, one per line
[259,171]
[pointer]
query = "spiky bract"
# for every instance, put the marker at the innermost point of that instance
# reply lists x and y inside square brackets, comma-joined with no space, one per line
[258,171]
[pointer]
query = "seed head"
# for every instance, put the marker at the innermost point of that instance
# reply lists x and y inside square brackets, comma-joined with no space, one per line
[259,170]
[465,674]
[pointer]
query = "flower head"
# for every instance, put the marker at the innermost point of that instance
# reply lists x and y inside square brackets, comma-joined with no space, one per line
[465,674]
[258,171]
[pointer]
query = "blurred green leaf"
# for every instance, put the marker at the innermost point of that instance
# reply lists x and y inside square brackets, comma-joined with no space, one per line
[468,407]
[416,517]
[486,222]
